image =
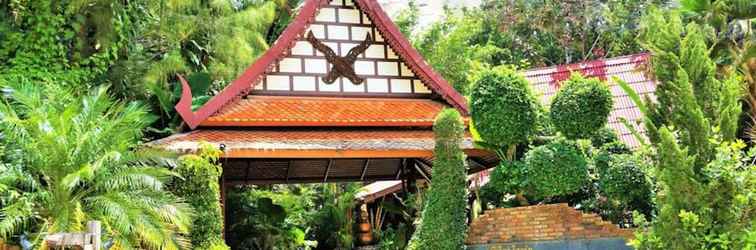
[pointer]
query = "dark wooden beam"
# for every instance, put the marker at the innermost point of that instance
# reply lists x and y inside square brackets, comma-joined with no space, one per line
[306,180]
[399,168]
[474,161]
[288,168]
[422,173]
[364,169]
[422,169]
[249,166]
[328,168]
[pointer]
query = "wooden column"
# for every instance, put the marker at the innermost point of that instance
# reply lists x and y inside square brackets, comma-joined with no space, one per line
[223,202]
[411,176]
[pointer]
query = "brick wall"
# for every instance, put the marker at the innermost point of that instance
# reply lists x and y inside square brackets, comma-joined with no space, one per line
[540,223]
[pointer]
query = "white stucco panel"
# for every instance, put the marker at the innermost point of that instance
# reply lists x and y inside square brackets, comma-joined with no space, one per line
[304,83]
[375,85]
[326,15]
[302,48]
[275,82]
[375,51]
[351,87]
[290,65]
[345,47]
[349,16]
[360,33]
[318,30]
[364,67]
[388,68]
[338,32]
[316,66]
[332,87]
[401,86]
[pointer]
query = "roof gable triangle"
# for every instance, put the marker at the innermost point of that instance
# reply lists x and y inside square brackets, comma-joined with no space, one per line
[293,64]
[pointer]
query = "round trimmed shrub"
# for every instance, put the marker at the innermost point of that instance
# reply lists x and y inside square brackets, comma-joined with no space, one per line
[503,107]
[555,169]
[581,107]
[624,181]
[509,177]
[603,136]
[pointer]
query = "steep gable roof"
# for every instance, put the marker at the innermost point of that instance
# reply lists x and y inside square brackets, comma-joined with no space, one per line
[254,74]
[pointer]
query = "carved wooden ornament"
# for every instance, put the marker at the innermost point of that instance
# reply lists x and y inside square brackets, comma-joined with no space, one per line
[342,65]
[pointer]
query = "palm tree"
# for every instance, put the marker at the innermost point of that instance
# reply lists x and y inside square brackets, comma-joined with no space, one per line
[79,162]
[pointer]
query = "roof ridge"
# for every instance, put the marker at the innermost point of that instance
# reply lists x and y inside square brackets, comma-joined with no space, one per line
[589,64]
[245,83]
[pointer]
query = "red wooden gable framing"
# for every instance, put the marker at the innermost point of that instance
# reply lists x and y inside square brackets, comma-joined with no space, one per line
[252,75]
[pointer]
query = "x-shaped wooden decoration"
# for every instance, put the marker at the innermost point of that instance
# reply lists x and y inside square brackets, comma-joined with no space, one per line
[342,65]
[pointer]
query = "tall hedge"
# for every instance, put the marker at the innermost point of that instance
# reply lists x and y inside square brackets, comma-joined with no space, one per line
[503,107]
[581,107]
[443,218]
[200,188]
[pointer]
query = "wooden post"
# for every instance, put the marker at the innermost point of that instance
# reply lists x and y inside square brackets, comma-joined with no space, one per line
[94,230]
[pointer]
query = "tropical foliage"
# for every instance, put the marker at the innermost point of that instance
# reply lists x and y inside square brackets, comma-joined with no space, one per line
[78,163]
[137,47]
[317,216]
[443,223]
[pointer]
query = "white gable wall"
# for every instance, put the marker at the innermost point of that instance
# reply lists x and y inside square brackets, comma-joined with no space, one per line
[342,26]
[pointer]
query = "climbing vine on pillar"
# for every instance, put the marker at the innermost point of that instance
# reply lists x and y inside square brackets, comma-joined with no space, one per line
[200,188]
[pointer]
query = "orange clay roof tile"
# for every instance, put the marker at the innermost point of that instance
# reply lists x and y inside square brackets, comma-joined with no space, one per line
[326,111]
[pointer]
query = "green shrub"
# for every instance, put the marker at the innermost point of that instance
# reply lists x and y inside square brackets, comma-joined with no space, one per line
[443,218]
[603,136]
[200,188]
[503,107]
[509,177]
[581,107]
[624,181]
[554,169]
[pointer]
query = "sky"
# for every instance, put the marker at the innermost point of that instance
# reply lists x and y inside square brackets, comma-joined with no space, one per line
[430,10]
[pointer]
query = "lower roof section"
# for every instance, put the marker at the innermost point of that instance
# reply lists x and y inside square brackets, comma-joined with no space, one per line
[313,142]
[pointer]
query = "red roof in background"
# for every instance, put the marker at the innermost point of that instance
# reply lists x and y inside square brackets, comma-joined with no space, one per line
[244,84]
[258,110]
[631,69]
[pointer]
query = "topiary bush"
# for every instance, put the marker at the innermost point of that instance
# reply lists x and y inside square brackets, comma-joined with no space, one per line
[443,218]
[503,107]
[581,107]
[625,181]
[200,188]
[603,136]
[509,177]
[555,169]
